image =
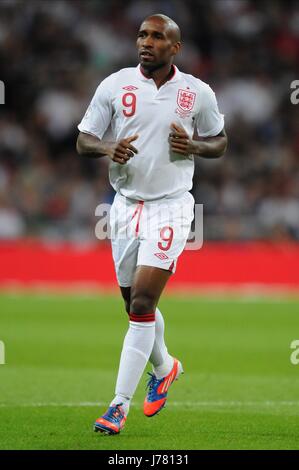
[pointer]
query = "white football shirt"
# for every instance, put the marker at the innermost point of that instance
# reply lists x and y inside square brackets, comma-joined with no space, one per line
[128,103]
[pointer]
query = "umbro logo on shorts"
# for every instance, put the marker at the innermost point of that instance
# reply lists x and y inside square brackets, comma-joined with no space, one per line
[161,256]
[130,88]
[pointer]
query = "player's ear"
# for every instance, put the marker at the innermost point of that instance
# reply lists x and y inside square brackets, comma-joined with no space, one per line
[176,48]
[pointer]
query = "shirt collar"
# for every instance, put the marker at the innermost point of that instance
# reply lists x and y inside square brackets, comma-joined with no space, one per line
[175,77]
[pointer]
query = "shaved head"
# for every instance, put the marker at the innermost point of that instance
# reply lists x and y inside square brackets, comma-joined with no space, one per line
[158,42]
[173,29]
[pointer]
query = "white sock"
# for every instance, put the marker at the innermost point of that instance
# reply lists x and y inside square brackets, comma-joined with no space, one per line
[160,359]
[124,401]
[137,348]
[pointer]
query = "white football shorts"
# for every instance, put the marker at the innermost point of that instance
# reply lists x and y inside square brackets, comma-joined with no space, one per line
[149,233]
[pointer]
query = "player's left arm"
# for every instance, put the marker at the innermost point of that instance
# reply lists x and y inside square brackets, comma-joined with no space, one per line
[206,147]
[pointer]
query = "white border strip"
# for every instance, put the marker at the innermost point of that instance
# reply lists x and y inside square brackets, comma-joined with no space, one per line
[177,404]
[215,291]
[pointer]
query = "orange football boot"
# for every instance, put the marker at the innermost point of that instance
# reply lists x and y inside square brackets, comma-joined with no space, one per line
[112,422]
[158,388]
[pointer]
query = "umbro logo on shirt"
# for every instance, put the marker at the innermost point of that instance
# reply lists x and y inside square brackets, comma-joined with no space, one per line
[130,88]
[161,256]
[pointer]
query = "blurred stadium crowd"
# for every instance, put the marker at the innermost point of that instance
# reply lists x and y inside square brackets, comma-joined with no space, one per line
[53,54]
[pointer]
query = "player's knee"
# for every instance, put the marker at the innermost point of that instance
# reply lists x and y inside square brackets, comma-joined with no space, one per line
[142,304]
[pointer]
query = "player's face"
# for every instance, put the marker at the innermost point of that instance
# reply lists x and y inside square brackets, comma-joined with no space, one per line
[156,45]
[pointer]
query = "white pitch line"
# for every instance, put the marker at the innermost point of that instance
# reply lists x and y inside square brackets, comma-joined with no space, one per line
[178,404]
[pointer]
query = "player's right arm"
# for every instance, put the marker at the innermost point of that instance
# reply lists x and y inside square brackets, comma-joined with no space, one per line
[120,152]
[94,124]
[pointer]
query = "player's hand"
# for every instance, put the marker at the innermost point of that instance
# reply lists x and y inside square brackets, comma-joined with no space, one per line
[123,150]
[179,140]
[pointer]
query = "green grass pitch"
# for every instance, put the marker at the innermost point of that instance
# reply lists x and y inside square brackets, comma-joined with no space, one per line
[239,390]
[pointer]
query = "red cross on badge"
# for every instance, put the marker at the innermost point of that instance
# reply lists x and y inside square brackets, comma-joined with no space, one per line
[186,99]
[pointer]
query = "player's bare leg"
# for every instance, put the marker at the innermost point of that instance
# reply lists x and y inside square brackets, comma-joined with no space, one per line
[169,370]
[141,300]
[147,286]
[160,359]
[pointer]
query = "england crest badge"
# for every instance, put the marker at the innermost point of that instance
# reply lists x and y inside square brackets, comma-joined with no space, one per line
[185,101]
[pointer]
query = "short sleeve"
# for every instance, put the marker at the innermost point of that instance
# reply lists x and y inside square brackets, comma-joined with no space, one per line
[209,122]
[99,113]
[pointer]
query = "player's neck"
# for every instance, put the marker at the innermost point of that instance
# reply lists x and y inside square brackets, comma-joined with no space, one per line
[161,75]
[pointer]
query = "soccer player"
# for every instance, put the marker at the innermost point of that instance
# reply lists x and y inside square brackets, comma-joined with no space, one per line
[150,120]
